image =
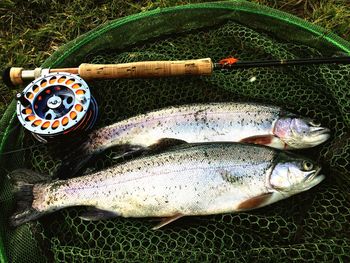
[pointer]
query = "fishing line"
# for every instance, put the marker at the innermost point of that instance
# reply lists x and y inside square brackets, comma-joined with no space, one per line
[21,149]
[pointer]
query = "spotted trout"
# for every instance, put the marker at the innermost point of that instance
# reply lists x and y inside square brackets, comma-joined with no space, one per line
[190,180]
[229,122]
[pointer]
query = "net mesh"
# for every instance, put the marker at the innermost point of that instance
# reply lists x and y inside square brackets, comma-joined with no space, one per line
[312,226]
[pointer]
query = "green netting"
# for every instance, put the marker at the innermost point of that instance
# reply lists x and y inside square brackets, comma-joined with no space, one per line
[313,226]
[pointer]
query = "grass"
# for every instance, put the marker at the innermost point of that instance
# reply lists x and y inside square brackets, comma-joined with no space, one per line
[30,31]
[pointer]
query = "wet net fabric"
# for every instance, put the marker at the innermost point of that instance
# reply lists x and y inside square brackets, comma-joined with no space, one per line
[312,226]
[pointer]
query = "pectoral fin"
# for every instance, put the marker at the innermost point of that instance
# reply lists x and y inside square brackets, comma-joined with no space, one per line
[167,220]
[254,202]
[267,140]
[94,214]
[259,139]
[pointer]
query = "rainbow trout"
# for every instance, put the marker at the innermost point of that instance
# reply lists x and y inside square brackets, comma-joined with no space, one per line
[229,122]
[191,180]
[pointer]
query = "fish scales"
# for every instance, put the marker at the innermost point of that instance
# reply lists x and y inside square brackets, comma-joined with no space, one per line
[198,123]
[194,179]
[190,123]
[201,180]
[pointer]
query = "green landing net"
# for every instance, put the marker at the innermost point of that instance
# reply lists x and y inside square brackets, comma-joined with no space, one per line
[312,226]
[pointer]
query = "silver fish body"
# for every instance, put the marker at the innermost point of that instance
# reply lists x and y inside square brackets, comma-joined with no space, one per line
[198,123]
[231,122]
[190,123]
[190,180]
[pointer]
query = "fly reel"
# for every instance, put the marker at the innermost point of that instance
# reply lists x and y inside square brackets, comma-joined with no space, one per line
[56,104]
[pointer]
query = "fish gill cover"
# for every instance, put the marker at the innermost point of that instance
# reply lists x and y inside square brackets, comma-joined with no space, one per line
[312,226]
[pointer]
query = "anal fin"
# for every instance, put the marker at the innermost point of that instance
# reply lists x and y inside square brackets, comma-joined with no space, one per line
[94,214]
[167,220]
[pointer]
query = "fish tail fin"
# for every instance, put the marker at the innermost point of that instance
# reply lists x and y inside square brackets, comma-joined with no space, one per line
[24,181]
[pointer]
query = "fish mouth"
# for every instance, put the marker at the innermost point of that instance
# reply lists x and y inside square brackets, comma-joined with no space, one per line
[319,135]
[320,130]
[313,179]
[316,136]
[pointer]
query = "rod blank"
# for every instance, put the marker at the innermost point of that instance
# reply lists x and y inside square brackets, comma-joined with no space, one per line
[151,69]
[290,62]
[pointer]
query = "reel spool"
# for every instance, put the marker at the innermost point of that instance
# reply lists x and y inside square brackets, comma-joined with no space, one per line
[56,104]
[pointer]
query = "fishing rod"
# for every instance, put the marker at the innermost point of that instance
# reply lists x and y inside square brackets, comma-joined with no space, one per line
[58,101]
[148,69]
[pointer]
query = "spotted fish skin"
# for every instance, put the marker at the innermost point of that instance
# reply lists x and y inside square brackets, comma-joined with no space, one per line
[231,122]
[197,180]
[189,180]
[199,123]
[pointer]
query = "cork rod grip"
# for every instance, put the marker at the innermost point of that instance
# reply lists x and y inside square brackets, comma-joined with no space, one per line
[147,69]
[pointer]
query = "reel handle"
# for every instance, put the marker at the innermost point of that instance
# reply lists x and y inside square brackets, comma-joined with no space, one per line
[147,69]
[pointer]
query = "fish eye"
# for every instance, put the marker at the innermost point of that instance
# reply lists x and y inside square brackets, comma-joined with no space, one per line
[307,166]
[315,123]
